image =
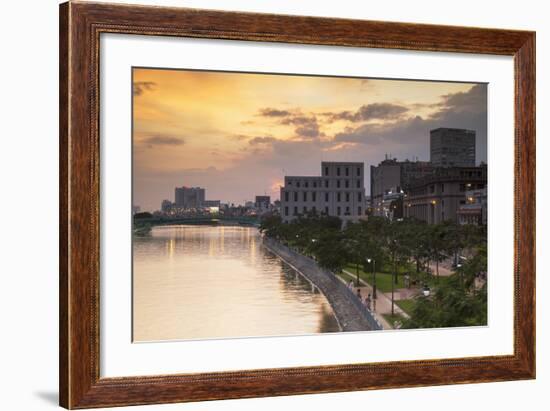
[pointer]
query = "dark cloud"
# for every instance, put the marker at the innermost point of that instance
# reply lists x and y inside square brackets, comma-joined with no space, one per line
[163,141]
[139,87]
[273,112]
[375,111]
[459,110]
[306,126]
[470,100]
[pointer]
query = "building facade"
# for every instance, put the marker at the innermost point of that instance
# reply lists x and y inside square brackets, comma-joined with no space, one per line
[391,177]
[438,197]
[211,203]
[189,197]
[262,203]
[166,206]
[452,147]
[339,192]
[474,210]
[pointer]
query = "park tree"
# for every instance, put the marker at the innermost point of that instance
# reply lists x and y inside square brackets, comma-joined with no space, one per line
[450,305]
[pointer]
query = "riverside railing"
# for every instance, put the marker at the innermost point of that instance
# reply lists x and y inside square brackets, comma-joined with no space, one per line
[373,323]
[371,319]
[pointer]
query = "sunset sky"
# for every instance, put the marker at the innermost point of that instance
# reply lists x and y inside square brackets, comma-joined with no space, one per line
[238,134]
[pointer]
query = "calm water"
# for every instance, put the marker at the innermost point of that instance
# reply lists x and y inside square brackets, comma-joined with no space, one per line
[215,282]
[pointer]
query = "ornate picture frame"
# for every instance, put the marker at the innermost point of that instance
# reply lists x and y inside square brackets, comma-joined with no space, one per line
[81,25]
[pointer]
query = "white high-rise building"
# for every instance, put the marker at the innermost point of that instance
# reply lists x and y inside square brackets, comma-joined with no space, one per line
[339,191]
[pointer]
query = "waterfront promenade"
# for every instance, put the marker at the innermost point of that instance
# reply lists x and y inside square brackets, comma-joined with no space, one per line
[350,313]
[383,302]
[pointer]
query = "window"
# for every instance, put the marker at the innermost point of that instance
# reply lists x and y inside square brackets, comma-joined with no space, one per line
[315,184]
[347,184]
[305,195]
[297,184]
[338,171]
[295,210]
[286,210]
[314,196]
[326,197]
[359,196]
[295,196]
[337,183]
[443,188]
[326,183]
[347,171]
[358,171]
[347,197]
[347,210]
[305,210]
[306,184]
[358,184]
[359,211]
[338,211]
[286,196]
[338,197]
[289,182]
[326,171]
[326,210]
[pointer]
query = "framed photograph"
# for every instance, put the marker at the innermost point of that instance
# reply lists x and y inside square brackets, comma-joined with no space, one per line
[259,205]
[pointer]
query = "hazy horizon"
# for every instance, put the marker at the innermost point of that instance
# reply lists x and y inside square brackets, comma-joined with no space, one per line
[238,134]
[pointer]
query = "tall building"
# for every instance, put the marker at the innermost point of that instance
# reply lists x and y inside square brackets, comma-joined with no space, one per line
[166,206]
[390,177]
[189,197]
[453,147]
[211,203]
[262,203]
[439,196]
[339,191]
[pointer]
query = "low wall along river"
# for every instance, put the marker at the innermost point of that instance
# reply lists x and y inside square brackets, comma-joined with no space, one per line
[350,312]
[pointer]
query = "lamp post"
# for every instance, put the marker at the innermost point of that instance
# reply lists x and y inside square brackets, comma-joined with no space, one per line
[369,260]
[426,290]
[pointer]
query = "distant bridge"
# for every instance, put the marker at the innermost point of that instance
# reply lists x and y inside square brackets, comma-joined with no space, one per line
[143,225]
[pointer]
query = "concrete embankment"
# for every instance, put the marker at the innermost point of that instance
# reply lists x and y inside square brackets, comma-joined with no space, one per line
[348,310]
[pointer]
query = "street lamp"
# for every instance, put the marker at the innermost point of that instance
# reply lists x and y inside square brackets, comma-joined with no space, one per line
[426,290]
[369,260]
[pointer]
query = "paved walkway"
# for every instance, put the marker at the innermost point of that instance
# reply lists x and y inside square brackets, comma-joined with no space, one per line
[348,315]
[383,302]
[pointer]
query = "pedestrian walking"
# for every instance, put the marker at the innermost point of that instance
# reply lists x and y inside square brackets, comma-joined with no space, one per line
[350,284]
[359,294]
[407,281]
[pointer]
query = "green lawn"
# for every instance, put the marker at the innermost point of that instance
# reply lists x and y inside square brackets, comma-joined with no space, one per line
[392,318]
[406,305]
[383,280]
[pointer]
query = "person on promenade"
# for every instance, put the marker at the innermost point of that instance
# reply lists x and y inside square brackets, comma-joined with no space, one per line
[350,285]
[359,294]
[367,302]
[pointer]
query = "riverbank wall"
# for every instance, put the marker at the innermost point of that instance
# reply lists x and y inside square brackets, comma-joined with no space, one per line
[350,312]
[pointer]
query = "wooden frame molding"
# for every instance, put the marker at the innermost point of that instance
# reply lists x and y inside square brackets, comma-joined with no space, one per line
[81,24]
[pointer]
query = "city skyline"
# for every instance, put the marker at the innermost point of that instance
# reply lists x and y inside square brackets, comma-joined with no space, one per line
[239,134]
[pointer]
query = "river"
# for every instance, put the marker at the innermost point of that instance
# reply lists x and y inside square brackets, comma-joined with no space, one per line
[199,282]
